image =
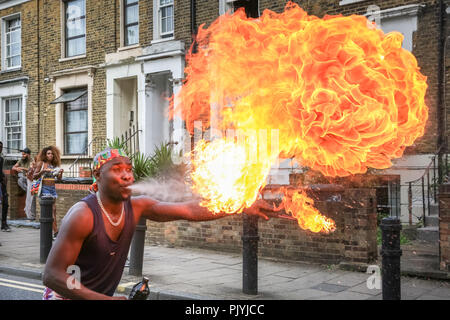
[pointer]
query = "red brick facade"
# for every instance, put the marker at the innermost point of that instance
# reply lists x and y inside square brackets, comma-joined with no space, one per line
[444,227]
[354,241]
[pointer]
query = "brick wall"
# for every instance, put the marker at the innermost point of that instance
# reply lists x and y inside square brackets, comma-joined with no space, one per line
[444,226]
[68,195]
[354,240]
[16,197]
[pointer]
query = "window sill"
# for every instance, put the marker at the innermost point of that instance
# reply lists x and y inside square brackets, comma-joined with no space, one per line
[11,70]
[345,2]
[162,40]
[72,58]
[134,46]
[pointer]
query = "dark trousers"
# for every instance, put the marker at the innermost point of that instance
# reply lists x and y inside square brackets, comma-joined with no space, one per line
[5,204]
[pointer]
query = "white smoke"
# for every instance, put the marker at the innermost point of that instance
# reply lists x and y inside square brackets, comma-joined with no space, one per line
[167,190]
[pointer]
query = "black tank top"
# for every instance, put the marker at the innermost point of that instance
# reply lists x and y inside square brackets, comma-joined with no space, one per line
[102,260]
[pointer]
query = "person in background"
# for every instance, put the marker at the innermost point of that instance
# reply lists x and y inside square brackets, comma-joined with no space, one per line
[3,193]
[48,169]
[30,174]
[21,168]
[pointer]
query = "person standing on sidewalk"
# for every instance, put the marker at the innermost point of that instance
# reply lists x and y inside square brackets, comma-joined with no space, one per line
[3,193]
[96,233]
[21,168]
[47,169]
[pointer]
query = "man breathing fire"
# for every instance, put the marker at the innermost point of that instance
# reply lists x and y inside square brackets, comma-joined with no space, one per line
[96,232]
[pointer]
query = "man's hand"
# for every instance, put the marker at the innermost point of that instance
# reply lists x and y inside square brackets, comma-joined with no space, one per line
[262,209]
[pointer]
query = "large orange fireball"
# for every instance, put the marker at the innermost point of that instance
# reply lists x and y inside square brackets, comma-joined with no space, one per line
[343,95]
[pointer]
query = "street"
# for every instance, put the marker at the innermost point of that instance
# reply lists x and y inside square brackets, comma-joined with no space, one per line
[20,288]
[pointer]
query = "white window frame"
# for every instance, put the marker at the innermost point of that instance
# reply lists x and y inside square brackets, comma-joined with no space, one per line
[21,125]
[4,22]
[64,55]
[158,35]
[123,34]
[404,18]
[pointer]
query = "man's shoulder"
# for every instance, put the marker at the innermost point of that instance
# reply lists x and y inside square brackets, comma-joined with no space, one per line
[79,212]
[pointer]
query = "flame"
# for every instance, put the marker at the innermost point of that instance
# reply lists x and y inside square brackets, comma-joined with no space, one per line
[301,207]
[226,177]
[343,95]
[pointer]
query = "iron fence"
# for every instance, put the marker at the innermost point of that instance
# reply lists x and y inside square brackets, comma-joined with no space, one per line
[82,166]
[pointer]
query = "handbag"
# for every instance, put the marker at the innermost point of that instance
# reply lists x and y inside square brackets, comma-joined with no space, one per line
[36,187]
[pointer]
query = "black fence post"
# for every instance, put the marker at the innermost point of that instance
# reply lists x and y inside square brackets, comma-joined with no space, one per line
[46,221]
[390,253]
[250,240]
[137,249]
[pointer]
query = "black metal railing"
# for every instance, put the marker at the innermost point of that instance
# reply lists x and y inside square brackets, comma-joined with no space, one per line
[82,166]
[129,140]
[423,192]
[418,198]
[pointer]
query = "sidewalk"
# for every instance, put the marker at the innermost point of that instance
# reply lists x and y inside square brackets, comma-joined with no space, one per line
[184,273]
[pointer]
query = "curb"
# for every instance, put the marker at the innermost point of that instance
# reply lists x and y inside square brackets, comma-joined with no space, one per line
[26,273]
[155,293]
[24,223]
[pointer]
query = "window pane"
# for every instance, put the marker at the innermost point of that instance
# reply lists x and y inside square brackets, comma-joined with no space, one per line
[76,47]
[132,35]
[165,2]
[132,14]
[15,49]
[13,36]
[75,143]
[76,121]
[75,9]
[12,105]
[75,27]
[13,24]
[131,1]
[13,62]
[167,19]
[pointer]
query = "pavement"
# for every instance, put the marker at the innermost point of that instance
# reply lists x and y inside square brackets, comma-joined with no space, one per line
[197,274]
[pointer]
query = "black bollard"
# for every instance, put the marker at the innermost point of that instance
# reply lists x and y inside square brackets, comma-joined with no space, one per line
[390,253]
[46,227]
[137,249]
[250,255]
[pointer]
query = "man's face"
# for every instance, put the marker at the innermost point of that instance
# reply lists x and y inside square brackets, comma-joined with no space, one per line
[115,177]
[25,156]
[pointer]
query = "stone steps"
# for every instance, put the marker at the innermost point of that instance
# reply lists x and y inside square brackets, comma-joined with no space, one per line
[432,221]
[429,234]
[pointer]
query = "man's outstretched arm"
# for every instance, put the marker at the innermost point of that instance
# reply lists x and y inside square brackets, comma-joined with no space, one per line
[191,210]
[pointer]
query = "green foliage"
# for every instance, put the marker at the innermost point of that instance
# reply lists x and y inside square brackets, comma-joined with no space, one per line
[159,165]
[142,166]
[403,239]
[116,143]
